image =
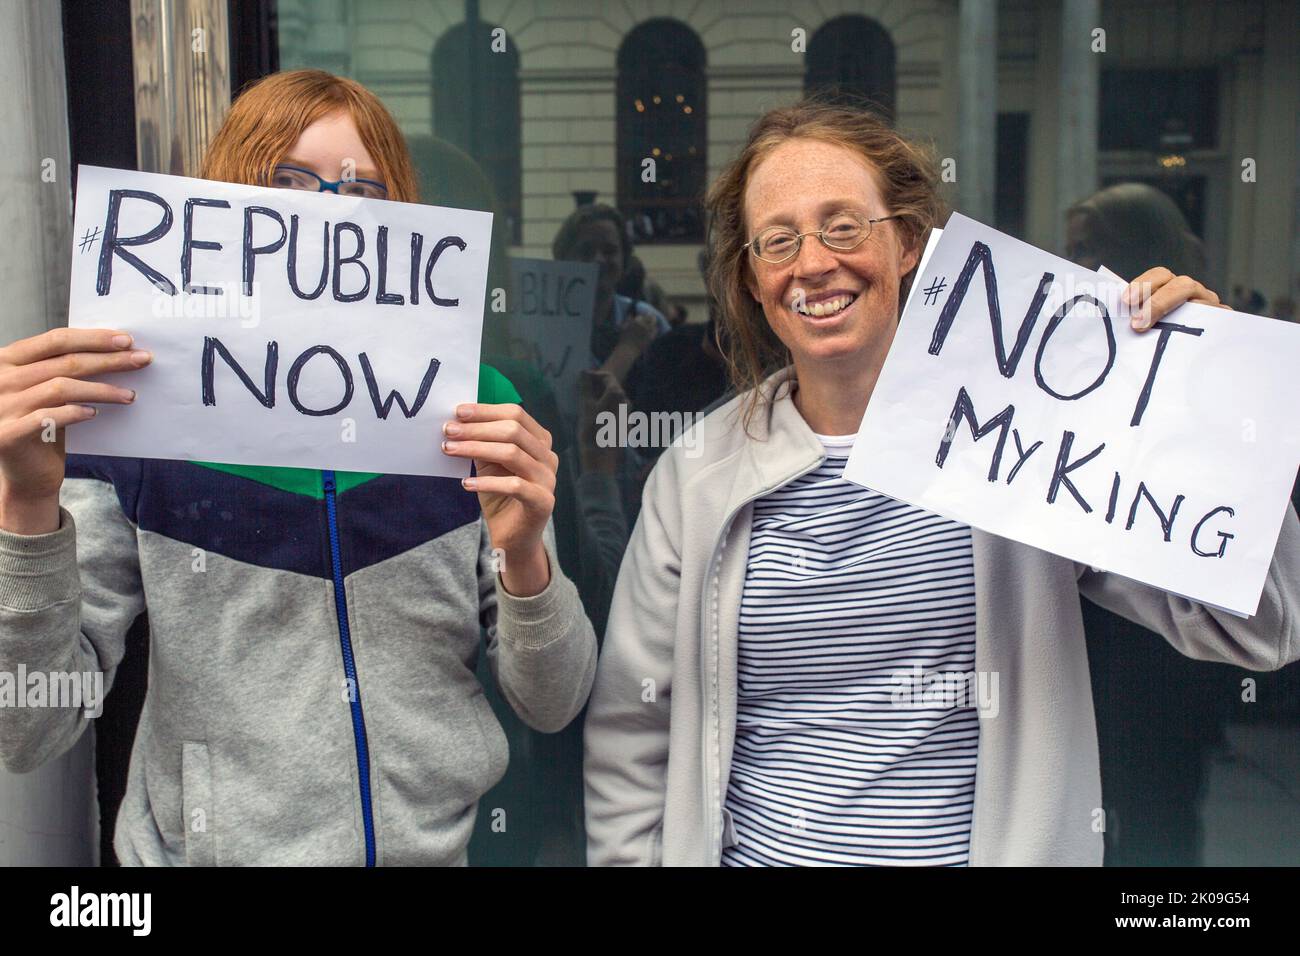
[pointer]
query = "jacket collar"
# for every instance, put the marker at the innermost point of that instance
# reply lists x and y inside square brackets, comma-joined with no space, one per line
[783,445]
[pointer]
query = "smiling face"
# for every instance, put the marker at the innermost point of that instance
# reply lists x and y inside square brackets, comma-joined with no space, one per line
[825,305]
[332,148]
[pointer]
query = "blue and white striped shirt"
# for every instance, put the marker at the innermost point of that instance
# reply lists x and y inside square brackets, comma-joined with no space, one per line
[845,589]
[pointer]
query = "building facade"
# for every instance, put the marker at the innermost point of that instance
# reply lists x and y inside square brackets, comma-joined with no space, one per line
[1199,97]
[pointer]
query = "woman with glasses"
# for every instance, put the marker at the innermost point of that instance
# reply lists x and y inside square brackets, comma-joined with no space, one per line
[746,709]
[313,634]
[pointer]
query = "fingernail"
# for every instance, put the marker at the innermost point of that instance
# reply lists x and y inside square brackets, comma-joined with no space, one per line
[130,395]
[450,445]
[122,341]
[141,357]
[469,484]
[1138,324]
[464,411]
[451,428]
[90,410]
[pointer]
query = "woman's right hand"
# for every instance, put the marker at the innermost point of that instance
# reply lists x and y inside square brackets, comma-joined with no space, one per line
[42,391]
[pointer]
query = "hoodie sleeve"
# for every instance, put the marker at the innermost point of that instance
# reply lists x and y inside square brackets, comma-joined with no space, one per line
[1267,641]
[66,604]
[541,649]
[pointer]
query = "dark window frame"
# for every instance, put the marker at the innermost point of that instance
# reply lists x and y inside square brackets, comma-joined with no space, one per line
[662,58]
[852,59]
[482,116]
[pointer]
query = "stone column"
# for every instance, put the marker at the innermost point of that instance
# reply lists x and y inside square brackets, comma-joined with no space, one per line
[48,817]
[1076,146]
[977,72]
[181,50]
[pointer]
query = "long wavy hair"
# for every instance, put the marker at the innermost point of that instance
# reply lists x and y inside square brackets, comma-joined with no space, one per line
[909,179]
[270,114]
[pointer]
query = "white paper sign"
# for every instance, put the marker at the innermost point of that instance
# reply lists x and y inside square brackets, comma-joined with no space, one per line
[1166,456]
[551,322]
[288,328]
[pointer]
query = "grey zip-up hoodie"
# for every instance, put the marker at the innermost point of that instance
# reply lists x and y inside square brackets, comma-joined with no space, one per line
[661,722]
[312,694]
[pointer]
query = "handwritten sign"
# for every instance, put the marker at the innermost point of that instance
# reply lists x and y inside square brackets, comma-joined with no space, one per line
[1017,399]
[551,325]
[288,328]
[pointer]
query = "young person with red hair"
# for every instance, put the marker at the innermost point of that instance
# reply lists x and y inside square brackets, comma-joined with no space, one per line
[312,696]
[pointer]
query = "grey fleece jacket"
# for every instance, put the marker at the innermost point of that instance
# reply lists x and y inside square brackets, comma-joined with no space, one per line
[260,742]
[661,722]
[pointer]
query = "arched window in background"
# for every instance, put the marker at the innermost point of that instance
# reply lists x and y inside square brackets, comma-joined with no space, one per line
[476,107]
[662,117]
[851,59]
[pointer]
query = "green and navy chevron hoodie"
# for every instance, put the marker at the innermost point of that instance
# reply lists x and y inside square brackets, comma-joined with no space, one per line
[312,695]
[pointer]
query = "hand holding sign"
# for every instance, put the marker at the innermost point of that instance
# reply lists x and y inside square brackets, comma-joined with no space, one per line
[515,480]
[1017,398]
[43,390]
[1157,292]
[290,328]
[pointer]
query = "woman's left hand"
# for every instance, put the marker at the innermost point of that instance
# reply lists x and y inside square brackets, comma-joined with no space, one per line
[515,479]
[1157,292]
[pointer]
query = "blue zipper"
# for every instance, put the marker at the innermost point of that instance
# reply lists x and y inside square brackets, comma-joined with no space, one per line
[350,666]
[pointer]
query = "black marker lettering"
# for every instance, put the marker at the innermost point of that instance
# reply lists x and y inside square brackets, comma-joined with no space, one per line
[189,244]
[1022,455]
[1057,318]
[211,346]
[114,245]
[1114,498]
[383,407]
[417,244]
[381,251]
[251,252]
[295,371]
[1060,474]
[980,255]
[438,250]
[964,408]
[1166,329]
[1224,537]
[292,265]
[354,259]
[1167,523]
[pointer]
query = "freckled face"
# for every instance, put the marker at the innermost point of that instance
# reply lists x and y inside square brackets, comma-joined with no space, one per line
[799,184]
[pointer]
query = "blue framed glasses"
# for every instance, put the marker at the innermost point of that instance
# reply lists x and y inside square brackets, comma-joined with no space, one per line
[295,177]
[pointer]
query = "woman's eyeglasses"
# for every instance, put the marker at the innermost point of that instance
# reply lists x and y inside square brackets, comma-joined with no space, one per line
[842,232]
[294,177]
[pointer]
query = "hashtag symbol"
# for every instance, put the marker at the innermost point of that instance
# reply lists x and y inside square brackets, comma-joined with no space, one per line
[932,292]
[90,238]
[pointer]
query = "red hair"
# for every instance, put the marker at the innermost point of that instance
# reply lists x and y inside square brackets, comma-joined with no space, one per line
[270,114]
